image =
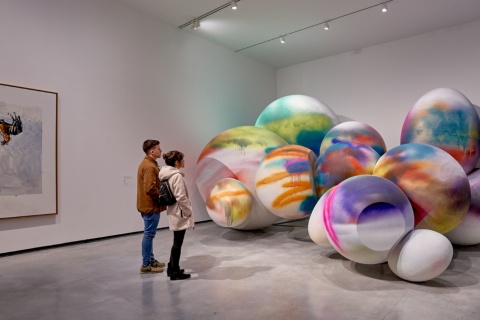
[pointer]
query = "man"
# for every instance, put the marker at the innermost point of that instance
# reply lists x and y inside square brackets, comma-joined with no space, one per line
[147,205]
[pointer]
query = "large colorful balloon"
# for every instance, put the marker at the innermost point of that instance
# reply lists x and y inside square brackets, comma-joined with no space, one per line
[445,118]
[468,232]
[365,216]
[435,183]
[343,160]
[354,131]
[421,256]
[284,182]
[299,119]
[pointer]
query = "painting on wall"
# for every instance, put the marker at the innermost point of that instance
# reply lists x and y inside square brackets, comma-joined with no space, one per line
[28,152]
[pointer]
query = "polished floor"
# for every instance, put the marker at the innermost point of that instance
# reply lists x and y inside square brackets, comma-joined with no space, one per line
[275,273]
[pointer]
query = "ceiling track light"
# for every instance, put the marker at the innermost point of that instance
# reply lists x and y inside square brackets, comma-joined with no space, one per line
[383,3]
[230,4]
[195,24]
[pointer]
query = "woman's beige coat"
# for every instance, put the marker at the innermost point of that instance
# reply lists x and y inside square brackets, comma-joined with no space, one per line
[180,215]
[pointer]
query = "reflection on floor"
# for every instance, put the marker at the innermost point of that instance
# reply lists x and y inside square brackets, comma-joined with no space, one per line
[274,273]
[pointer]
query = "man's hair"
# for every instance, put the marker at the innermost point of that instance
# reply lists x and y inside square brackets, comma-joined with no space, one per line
[172,156]
[149,144]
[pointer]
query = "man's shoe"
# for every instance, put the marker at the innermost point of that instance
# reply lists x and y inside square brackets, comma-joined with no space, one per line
[157,264]
[150,269]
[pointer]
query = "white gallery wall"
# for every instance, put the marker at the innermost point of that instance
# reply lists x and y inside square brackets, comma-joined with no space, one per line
[378,85]
[121,77]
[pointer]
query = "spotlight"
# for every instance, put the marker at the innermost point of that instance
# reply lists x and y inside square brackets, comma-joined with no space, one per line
[282,39]
[195,24]
[384,7]
[234,4]
[326,27]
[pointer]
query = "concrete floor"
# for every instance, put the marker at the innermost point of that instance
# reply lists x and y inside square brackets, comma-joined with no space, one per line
[276,273]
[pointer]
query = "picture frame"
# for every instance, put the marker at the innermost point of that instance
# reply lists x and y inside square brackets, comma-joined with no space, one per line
[28,152]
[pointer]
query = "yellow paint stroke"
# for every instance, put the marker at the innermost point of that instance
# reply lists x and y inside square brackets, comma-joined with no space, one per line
[291,152]
[273,178]
[289,196]
[228,193]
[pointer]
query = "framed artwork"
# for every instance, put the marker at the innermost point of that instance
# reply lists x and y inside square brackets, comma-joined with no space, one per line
[28,152]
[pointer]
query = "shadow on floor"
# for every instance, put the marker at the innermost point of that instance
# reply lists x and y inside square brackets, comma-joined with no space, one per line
[207,267]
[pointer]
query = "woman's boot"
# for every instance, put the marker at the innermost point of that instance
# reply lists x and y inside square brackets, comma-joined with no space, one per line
[170,269]
[178,274]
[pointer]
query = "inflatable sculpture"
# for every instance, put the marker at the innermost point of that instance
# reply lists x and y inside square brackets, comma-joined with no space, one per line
[405,206]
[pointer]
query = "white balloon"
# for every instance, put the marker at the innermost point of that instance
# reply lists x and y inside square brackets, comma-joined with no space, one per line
[421,255]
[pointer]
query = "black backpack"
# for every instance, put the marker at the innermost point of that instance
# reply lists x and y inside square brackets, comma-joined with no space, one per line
[166,197]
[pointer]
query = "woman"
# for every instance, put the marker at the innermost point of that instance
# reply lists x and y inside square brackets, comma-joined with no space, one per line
[180,215]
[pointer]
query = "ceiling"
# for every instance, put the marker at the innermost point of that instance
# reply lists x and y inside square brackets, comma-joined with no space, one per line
[257,21]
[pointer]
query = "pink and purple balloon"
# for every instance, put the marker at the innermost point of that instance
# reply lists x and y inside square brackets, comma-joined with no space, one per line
[365,216]
[316,224]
